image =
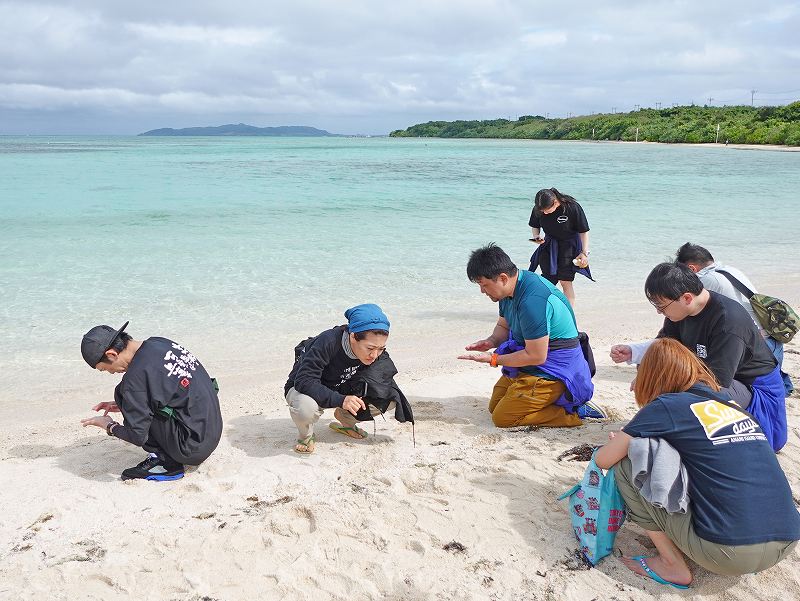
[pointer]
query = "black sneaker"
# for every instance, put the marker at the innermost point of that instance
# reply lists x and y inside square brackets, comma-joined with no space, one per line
[155,468]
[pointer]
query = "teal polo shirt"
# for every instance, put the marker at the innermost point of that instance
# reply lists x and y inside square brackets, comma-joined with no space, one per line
[537,309]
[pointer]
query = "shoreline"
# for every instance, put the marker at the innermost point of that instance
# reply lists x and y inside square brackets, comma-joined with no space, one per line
[776,147]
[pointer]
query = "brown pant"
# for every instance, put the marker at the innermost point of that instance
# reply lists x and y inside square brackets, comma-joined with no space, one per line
[528,401]
[720,559]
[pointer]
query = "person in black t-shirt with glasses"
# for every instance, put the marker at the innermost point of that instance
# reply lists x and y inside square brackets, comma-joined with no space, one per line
[721,333]
[564,249]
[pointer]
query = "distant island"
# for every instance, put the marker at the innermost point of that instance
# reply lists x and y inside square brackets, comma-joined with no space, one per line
[681,124]
[241,129]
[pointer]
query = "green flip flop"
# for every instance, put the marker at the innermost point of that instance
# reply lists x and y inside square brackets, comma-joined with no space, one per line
[344,430]
[308,440]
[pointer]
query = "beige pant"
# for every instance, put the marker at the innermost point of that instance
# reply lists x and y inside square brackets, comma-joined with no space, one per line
[305,413]
[720,559]
[529,401]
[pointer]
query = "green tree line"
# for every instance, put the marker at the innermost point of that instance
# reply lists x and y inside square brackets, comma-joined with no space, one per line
[682,124]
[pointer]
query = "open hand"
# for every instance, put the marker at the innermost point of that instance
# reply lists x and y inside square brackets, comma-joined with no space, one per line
[101,421]
[479,357]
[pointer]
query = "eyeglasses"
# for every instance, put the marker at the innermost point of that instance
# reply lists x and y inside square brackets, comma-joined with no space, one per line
[663,308]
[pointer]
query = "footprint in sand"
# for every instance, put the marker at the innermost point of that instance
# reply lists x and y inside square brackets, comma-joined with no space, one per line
[304,522]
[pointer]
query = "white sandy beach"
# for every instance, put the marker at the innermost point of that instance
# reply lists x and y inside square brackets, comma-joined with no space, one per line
[356,520]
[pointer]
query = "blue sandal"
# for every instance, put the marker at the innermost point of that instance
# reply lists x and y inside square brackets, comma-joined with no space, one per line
[641,559]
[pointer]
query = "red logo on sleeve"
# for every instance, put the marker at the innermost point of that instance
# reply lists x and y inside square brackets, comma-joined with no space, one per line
[185,382]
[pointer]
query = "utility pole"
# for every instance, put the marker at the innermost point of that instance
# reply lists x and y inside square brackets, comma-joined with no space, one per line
[752,96]
[716,140]
[637,134]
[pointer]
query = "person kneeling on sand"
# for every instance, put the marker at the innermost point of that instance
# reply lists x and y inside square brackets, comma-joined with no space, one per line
[741,517]
[345,368]
[546,379]
[168,401]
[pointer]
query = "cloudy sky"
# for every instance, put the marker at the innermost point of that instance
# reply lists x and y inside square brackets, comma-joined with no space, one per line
[369,67]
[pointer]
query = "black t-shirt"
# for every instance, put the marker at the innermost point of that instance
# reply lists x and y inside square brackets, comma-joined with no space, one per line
[563,223]
[725,338]
[163,374]
[322,368]
[738,492]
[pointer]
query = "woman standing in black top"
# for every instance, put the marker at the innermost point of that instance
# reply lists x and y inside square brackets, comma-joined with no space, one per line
[564,249]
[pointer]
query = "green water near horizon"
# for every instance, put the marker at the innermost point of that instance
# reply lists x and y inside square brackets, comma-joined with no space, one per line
[248,241]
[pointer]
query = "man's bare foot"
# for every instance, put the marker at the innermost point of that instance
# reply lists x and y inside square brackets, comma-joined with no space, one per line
[674,574]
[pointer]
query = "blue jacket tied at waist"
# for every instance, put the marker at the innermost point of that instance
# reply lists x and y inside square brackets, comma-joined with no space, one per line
[566,363]
[552,245]
[768,406]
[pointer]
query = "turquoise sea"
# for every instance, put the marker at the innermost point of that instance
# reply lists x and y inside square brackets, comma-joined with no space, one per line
[239,247]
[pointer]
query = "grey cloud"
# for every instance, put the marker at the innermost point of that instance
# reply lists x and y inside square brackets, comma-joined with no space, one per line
[338,65]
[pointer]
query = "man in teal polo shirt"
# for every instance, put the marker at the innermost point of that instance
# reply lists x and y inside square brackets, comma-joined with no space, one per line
[546,379]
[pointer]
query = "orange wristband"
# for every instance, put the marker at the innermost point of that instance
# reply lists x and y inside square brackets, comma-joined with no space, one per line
[493,361]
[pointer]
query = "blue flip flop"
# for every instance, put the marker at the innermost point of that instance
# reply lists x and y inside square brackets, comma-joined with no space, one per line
[641,559]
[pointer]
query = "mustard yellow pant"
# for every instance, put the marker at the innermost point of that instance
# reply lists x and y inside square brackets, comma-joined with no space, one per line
[528,401]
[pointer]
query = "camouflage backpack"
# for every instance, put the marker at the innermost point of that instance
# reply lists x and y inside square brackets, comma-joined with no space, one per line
[776,317]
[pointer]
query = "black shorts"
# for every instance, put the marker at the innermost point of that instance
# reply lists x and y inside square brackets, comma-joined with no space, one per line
[566,269]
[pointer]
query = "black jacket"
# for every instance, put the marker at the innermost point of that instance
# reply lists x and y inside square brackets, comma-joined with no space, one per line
[376,386]
[319,371]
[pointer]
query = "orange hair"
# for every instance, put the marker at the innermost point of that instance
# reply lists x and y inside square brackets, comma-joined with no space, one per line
[668,366]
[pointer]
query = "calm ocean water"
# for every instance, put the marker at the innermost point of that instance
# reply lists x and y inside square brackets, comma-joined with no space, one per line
[241,245]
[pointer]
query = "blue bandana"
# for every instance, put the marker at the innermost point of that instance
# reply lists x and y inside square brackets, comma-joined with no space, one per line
[366,317]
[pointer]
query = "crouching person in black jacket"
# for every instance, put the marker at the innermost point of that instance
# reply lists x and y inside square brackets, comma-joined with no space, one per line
[168,401]
[346,369]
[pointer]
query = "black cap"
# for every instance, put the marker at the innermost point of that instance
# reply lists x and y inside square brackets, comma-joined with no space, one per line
[97,341]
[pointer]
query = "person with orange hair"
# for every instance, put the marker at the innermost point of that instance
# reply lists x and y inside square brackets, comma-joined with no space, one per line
[741,517]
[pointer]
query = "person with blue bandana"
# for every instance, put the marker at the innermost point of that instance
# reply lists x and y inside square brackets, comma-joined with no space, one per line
[327,368]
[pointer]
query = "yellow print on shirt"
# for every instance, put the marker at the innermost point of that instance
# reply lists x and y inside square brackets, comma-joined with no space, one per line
[723,423]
